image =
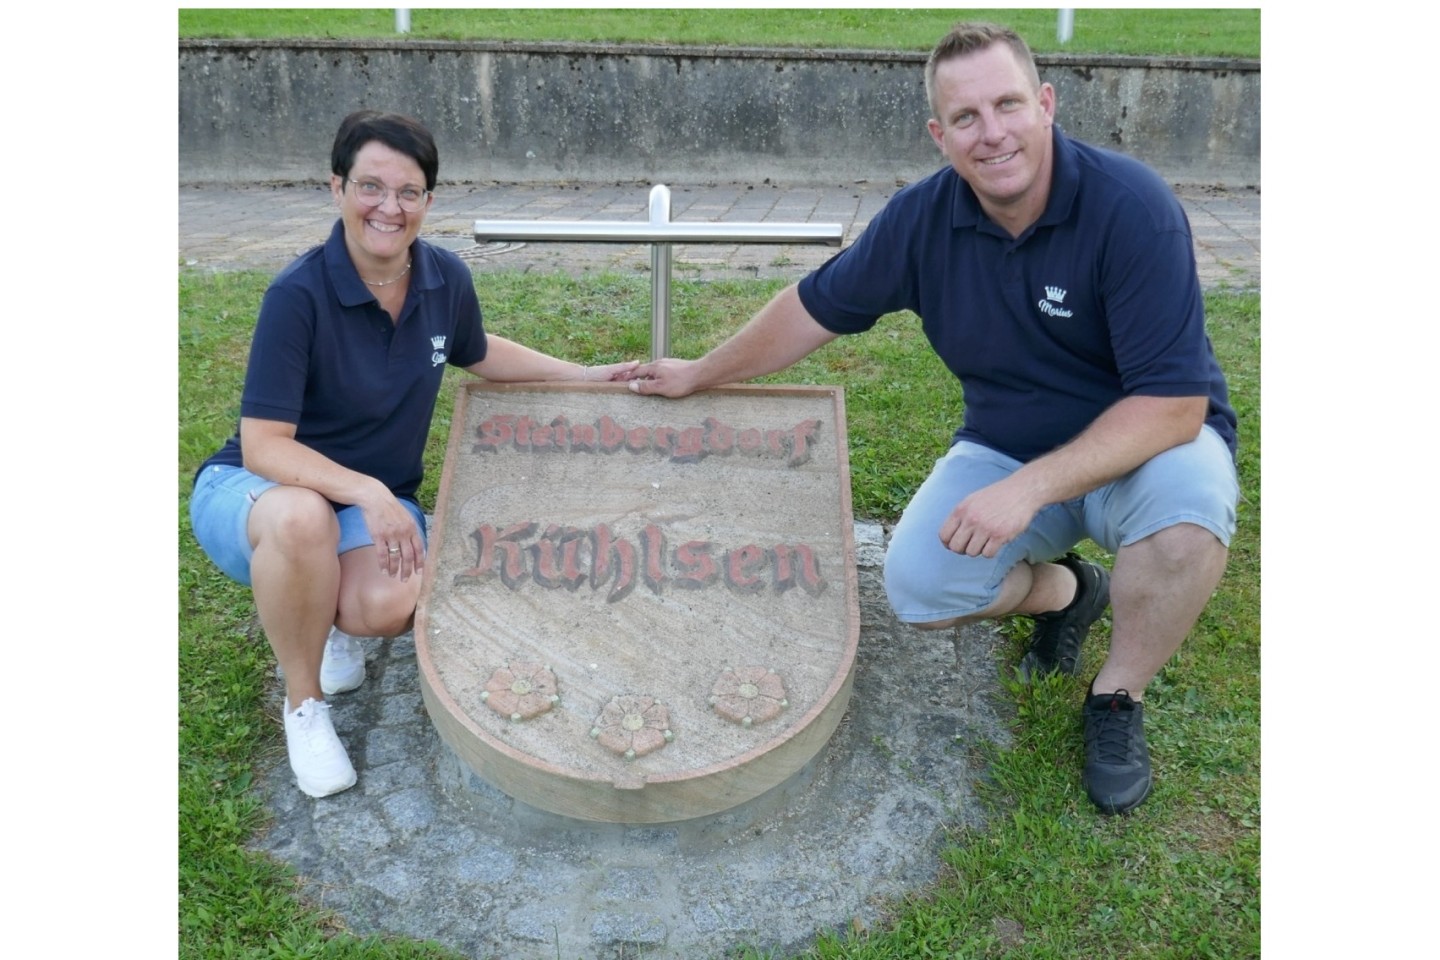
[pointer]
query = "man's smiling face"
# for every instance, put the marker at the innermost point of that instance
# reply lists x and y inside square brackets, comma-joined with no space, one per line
[993,125]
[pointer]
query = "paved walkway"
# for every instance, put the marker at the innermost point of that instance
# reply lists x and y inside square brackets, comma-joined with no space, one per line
[265,226]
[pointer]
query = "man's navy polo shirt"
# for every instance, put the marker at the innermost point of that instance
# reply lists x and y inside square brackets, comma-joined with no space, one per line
[360,389]
[1098,300]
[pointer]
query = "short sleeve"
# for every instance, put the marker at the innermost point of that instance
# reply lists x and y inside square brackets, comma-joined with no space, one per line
[279,356]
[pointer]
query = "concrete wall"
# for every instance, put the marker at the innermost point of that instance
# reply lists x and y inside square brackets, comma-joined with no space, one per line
[267,110]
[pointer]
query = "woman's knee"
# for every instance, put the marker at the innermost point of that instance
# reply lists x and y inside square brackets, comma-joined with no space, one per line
[373,603]
[377,614]
[293,519]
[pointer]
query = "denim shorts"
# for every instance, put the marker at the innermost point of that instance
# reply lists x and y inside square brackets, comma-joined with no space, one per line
[926,581]
[220,516]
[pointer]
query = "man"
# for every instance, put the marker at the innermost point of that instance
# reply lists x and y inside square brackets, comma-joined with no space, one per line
[1058,282]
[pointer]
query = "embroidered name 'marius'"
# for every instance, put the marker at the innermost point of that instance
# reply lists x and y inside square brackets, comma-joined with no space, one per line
[680,444]
[569,557]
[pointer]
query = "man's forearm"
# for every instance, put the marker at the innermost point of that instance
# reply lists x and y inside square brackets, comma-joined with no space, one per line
[1128,434]
[1121,439]
[780,334]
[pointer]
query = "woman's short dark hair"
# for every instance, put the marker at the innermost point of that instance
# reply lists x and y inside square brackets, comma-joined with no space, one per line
[400,133]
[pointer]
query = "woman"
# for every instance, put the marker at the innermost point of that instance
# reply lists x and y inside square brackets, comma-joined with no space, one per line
[312,502]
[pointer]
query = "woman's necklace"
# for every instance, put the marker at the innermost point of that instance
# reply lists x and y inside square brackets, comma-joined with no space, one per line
[386,283]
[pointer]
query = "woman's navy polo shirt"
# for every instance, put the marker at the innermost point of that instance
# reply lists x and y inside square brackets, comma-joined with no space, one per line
[360,389]
[1098,300]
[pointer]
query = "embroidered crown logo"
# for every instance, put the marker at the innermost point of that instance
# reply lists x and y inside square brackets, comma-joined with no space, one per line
[1053,304]
[438,342]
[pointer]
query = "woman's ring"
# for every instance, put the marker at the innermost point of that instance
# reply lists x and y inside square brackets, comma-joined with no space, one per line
[394,549]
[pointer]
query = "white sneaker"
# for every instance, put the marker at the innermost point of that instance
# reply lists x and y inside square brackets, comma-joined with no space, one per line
[317,756]
[343,667]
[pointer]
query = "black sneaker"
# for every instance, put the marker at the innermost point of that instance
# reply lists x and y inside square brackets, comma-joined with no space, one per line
[1117,763]
[1056,639]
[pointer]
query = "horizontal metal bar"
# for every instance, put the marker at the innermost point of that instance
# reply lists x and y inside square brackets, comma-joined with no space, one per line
[620,231]
[660,233]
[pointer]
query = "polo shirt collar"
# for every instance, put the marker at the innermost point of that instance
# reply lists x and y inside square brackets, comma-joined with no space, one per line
[352,291]
[1064,184]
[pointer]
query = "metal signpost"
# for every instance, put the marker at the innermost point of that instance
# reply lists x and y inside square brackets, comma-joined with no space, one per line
[660,233]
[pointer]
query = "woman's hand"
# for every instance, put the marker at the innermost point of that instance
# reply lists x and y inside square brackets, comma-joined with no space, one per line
[607,372]
[399,549]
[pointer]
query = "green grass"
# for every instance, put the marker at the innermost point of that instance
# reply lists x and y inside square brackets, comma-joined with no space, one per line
[1179,878]
[1191,33]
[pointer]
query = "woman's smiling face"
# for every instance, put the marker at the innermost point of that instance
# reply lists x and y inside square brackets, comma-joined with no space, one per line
[379,237]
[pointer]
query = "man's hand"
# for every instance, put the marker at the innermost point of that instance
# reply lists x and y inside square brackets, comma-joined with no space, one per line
[990,518]
[1129,433]
[666,378]
[780,334]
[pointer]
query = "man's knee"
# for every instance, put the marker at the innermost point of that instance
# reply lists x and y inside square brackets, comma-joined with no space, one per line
[933,591]
[1180,547]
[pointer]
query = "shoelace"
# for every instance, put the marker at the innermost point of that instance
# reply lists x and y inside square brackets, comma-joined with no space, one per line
[310,727]
[342,648]
[1112,734]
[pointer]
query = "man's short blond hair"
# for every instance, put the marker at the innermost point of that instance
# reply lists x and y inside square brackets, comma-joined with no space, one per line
[967,38]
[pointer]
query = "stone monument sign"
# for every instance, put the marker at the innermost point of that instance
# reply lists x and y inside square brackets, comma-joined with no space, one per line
[640,610]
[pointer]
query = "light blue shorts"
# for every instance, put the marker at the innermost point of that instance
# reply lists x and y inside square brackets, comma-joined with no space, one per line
[220,516]
[926,582]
